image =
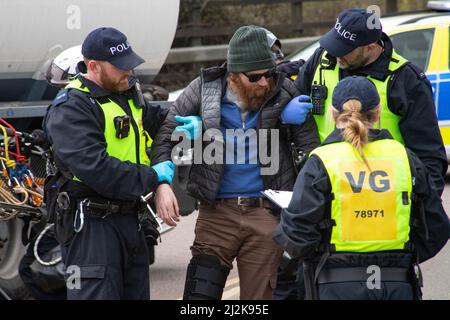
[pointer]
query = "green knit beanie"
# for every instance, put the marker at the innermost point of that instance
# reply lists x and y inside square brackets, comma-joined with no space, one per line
[249,50]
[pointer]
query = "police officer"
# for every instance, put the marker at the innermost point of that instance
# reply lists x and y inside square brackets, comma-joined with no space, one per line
[99,128]
[362,205]
[356,45]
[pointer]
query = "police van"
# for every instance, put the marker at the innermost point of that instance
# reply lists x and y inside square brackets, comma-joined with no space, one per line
[424,39]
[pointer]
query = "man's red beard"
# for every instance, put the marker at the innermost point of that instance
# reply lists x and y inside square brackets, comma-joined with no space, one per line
[253,95]
[114,86]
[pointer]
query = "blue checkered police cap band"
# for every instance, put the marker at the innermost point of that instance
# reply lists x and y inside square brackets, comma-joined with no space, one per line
[109,44]
[358,88]
[353,28]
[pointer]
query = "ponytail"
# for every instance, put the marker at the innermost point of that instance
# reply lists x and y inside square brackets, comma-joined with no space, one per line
[356,125]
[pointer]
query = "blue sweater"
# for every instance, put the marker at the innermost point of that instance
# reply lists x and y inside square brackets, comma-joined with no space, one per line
[241,176]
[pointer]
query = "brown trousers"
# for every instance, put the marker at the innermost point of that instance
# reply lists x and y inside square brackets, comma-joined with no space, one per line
[228,231]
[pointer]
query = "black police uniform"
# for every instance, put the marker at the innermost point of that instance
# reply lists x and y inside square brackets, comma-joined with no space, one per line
[110,251]
[288,279]
[300,235]
[410,96]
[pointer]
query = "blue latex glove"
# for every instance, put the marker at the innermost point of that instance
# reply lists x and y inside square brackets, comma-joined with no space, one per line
[296,110]
[165,171]
[191,125]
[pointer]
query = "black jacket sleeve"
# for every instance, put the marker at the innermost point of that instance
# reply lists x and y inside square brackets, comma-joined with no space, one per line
[290,68]
[298,232]
[431,235]
[187,104]
[77,139]
[411,97]
[153,117]
[305,136]
[306,74]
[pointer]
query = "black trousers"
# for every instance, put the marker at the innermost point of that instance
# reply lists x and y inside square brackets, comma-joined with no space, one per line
[107,259]
[290,285]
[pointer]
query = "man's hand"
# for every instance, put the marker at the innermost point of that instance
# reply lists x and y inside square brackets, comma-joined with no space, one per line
[167,205]
[165,171]
[191,126]
[296,110]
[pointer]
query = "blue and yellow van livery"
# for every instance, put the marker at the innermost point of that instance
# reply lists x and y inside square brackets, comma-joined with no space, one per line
[426,43]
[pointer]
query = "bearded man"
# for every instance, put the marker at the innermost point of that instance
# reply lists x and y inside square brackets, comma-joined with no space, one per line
[99,128]
[240,104]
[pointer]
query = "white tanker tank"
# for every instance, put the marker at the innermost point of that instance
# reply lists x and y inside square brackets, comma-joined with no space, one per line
[33,32]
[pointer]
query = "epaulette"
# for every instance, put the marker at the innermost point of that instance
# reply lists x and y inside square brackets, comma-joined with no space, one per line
[418,71]
[61,97]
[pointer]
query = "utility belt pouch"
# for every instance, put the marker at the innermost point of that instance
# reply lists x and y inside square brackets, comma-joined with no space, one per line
[151,232]
[65,215]
[50,194]
[52,186]
[288,264]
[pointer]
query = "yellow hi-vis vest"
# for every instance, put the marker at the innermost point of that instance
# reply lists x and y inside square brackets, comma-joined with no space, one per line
[330,78]
[371,208]
[131,148]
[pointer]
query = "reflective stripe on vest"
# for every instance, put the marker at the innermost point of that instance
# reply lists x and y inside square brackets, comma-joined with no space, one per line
[330,78]
[123,149]
[371,208]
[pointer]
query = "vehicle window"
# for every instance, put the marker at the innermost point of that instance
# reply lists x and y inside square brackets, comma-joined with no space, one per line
[304,53]
[415,45]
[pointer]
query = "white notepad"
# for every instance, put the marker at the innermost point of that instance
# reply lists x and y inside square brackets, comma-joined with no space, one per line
[280,198]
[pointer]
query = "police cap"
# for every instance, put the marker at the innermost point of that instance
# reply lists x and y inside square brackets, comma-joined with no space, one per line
[109,44]
[354,28]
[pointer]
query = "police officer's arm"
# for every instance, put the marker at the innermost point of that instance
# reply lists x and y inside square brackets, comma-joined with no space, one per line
[187,104]
[305,136]
[153,117]
[436,220]
[305,75]
[298,232]
[290,68]
[78,141]
[411,97]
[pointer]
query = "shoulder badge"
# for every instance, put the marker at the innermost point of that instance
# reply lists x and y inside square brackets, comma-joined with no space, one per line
[419,72]
[61,97]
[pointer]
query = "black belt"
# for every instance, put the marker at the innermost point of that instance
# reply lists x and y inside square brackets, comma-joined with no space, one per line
[361,275]
[101,208]
[246,202]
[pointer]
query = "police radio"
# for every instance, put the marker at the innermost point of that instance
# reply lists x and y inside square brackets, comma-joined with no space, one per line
[138,96]
[318,96]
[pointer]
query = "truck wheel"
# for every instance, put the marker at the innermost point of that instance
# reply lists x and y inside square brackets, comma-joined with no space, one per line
[11,252]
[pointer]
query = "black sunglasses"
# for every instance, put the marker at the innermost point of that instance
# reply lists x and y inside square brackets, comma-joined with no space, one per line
[257,76]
